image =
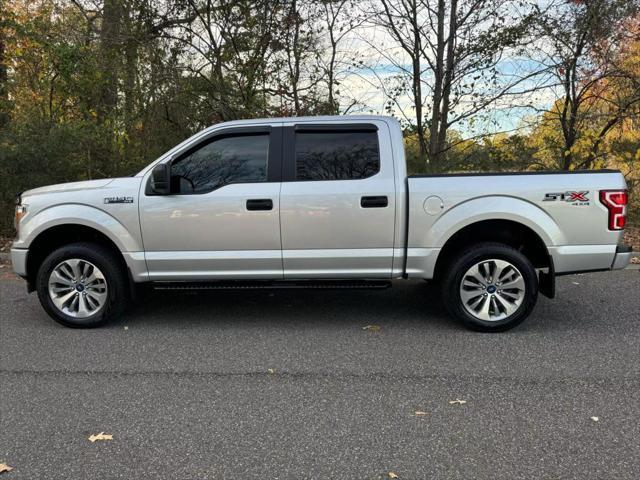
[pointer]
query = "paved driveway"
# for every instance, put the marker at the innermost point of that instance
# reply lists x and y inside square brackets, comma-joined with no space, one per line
[288,384]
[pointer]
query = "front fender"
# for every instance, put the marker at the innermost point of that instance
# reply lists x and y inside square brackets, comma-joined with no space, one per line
[495,207]
[77,214]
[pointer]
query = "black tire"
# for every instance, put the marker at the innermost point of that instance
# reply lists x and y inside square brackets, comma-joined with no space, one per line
[457,268]
[114,275]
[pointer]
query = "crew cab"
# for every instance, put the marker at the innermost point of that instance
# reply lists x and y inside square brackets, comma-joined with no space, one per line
[315,202]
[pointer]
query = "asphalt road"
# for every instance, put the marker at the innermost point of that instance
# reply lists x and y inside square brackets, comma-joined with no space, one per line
[183,383]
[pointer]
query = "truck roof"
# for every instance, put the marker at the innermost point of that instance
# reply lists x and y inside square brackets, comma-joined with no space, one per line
[319,118]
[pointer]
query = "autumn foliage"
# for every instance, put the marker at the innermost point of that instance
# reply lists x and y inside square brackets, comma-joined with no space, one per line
[95,88]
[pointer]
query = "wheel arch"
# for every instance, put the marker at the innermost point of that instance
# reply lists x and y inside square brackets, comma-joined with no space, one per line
[59,235]
[83,215]
[509,232]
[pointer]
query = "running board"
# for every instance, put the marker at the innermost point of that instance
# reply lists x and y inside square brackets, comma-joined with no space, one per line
[270,285]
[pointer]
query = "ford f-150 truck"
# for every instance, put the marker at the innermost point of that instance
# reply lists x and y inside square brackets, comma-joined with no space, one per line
[315,202]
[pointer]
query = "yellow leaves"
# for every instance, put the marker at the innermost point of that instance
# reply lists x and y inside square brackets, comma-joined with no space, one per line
[100,436]
[271,371]
[595,419]
[457,402]
[5,468]
[393,475]
[372,328]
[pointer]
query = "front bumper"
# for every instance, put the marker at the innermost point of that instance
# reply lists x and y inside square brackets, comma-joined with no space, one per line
[19,261]
[622,258]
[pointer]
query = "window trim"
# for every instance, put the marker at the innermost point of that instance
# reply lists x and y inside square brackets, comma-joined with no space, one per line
[289,170]
[342,127]
[274,154]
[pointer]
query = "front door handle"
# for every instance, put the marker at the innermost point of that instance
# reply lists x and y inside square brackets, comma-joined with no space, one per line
[380,201]
[260,204]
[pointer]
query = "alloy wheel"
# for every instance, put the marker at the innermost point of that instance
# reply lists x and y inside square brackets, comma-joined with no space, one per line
[77,288]
[492,290]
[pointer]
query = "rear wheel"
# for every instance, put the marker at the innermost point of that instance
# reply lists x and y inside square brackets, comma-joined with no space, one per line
[491,288]
[82,285]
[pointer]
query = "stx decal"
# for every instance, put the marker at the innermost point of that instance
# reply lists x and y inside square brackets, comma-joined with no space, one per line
[579,197]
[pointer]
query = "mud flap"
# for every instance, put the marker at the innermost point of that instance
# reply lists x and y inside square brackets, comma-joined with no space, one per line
[547,281]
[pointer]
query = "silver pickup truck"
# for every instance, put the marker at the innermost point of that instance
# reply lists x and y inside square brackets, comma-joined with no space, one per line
[320,202]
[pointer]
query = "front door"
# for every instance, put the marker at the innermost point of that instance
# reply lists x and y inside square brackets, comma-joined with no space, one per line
[221,220]
[337,203]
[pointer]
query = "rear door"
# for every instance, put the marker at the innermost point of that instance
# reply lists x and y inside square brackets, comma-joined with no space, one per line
[337,201]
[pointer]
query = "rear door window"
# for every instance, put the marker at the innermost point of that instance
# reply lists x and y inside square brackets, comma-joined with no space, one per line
[336,155]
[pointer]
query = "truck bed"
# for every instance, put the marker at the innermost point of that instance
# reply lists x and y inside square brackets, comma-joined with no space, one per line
[562,208]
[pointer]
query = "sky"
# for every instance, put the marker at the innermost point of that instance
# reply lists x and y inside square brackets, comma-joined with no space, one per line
[382,60]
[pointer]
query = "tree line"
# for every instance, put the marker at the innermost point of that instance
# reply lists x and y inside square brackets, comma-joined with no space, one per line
[94,88]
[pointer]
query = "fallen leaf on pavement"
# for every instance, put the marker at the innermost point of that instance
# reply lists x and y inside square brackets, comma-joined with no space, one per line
[575,283]
[100,436]
[595,419]
[635,260]
[420,413]
[5,468]
[373,328]
[456,401]
[271,370]
[392,475]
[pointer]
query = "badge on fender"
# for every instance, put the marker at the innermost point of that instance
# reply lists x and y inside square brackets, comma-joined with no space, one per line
[118,200]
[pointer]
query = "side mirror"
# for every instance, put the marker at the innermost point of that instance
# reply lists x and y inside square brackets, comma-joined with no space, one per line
[161,179]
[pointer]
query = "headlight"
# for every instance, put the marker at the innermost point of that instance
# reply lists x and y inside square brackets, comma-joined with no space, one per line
[21,211]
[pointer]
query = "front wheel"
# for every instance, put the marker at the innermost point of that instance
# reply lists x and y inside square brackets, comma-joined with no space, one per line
[490,288]
[82,285]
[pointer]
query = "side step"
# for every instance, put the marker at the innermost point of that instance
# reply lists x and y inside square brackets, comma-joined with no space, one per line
[270,285]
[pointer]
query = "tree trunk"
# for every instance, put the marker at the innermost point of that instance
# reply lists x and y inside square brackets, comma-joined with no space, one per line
[434,128]
[417,83]
[109,52]
[448,79]
[129,81]
[4,88]
[295,73]
[131,58]
[330,74]
[417,93]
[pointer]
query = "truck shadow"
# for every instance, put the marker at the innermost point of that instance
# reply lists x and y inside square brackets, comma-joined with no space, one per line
[406,303]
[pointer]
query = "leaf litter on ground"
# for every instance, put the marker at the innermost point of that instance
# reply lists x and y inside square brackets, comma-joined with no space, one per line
[100,436]
[372,328]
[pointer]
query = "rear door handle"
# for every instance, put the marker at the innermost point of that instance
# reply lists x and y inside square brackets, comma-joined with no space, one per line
[260,204]
[374,202]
